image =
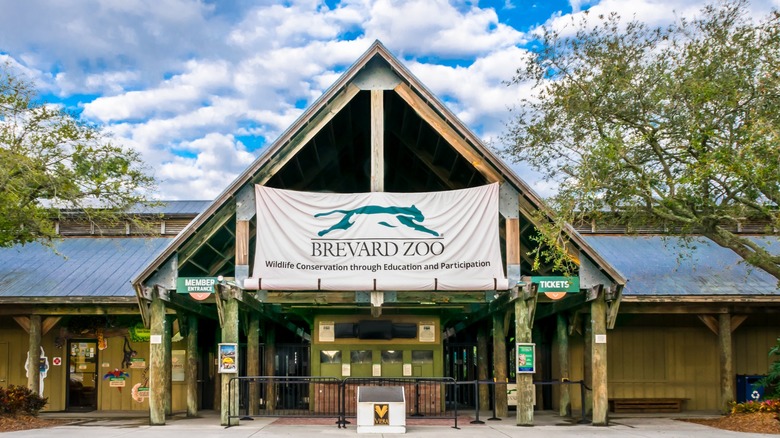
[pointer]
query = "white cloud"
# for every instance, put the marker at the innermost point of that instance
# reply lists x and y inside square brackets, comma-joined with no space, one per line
[183,81]
[445,30]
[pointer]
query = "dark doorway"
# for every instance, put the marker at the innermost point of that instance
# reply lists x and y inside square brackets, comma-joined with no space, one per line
[82,375]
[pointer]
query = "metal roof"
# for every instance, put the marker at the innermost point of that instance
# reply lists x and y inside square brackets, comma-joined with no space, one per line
[93,267]
[172,208]
[663,265]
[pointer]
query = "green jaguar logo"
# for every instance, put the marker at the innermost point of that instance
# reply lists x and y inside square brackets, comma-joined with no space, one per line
[406,216]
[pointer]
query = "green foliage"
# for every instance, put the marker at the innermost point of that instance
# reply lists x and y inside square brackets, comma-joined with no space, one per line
[771,383]
[750,407]
[49,159]
[676,125]
[20,399]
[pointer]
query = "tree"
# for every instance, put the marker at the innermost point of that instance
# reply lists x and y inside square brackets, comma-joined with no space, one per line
[678,125]
[51,159]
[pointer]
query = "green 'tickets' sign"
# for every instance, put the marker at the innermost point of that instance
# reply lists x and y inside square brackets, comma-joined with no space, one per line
[557,284]
[189,285]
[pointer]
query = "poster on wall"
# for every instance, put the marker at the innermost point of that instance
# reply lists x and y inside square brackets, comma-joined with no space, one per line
[228,358]
[427,332]
[526,360]
[378,241]
[327,331]
[178,360]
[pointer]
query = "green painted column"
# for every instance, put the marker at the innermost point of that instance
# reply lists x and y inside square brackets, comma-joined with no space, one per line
[253,360]
[168,367]
[482,366]
[598,313]
[562,337]
[587,365]
[525,381]
[229,400]
[191,373]
[270,370]
[157,383]
[499,364]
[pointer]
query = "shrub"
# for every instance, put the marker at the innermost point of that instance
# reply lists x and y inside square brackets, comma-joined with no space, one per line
[17,399]
[771,383]
[750,407]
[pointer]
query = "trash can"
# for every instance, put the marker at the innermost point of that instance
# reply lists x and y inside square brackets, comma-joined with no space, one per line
[747,389]
[381,409]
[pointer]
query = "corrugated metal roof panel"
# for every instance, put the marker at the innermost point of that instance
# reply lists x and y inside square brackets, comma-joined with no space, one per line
[656,265]
[172,208]
[85,267]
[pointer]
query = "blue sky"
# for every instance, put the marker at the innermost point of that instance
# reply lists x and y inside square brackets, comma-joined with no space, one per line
[200,87]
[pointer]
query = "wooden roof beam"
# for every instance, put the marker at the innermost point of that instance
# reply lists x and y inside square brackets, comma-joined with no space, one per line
[305,134]
[440,125]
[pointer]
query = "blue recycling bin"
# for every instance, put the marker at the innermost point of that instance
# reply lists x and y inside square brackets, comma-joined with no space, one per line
[746,389]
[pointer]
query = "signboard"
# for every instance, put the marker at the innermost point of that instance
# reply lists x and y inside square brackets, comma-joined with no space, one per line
[228,358]
[427,332]
[178,361]
[327,331]
[138,362]
[382,414]
[378,241]
[139,333]
[199,288]
[116,382]
[526,358]
[557,284]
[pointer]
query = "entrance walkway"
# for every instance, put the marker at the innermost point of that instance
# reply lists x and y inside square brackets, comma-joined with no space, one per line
[547,425]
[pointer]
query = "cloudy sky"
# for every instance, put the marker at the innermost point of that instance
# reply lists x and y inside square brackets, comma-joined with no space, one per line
[201,87]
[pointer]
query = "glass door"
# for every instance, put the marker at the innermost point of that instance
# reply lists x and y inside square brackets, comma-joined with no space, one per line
[82,375]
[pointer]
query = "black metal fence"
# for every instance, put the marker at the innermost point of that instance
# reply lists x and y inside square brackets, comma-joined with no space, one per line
[330,397]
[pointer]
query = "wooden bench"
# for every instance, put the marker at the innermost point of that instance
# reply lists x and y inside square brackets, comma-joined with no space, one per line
[646,405]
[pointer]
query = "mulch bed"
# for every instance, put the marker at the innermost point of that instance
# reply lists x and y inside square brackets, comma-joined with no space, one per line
[759,422]
[10,423]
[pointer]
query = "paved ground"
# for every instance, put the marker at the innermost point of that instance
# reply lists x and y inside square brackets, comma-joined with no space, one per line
[547,425]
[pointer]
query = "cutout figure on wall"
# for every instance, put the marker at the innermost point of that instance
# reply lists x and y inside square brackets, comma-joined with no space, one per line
[43,368]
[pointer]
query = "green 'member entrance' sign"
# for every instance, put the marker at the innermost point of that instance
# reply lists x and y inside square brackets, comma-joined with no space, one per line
[557,284]
[190,285]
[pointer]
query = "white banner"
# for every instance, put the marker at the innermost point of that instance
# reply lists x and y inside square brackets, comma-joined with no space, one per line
[378,241]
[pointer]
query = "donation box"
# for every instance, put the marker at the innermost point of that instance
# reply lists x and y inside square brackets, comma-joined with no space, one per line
[381,409]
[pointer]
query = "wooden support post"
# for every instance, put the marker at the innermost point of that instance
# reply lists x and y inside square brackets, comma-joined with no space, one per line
[270,370]
[377,170]
[242,251]
[191,373]
[562,337]
[168,366]
[598,313]
[726,361]
[525,381]
[377,141]
[34,354]
[253,360]
[587,365]
[499,364]
[157,361]
[482,366]
[229,399]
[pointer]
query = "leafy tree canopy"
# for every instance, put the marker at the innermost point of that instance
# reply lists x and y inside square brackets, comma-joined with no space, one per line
[678,125]
[49,159]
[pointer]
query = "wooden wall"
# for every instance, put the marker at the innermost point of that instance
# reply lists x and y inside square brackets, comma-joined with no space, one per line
[671,362]
[13,352]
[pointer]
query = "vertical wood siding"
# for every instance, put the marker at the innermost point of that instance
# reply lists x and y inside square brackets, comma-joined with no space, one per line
[109,399]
